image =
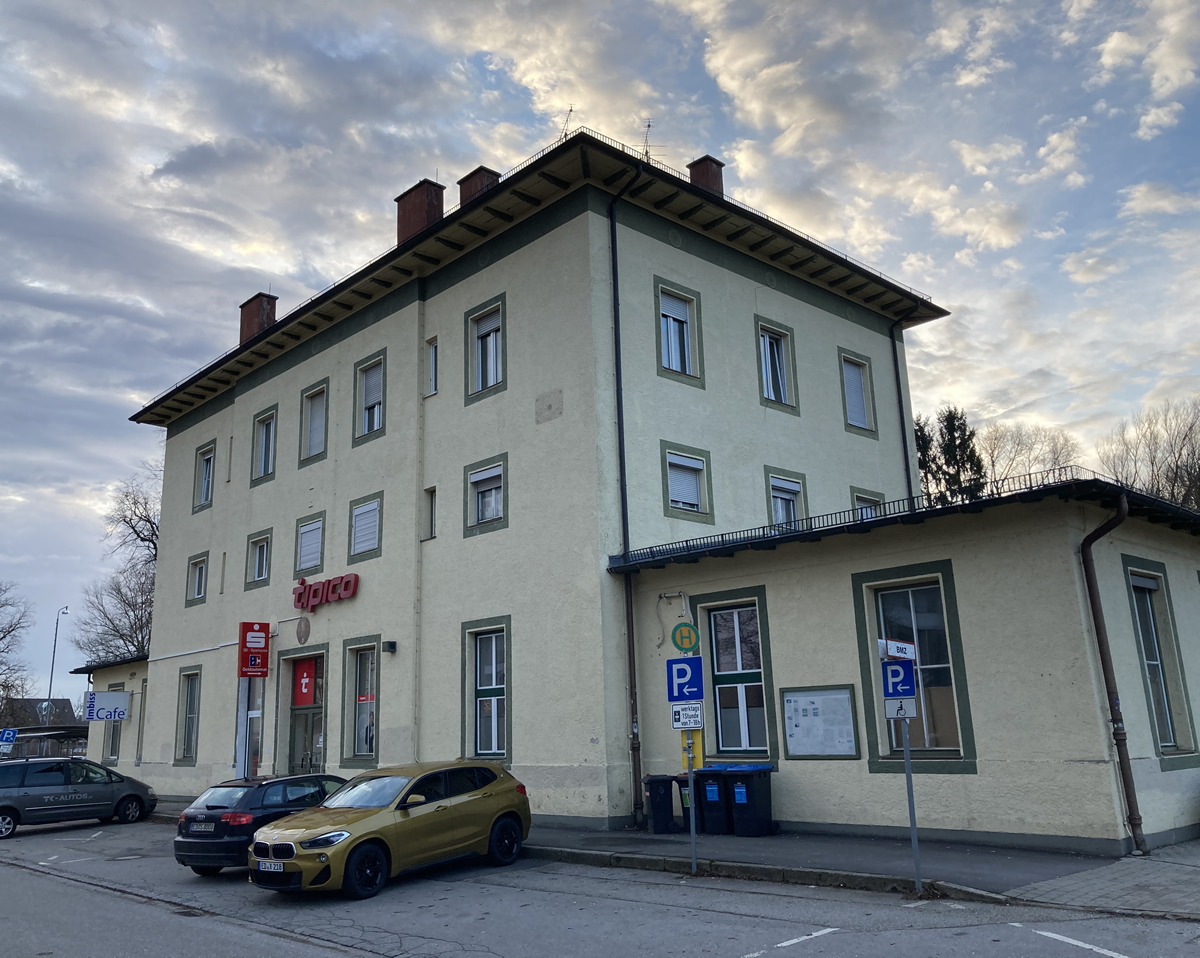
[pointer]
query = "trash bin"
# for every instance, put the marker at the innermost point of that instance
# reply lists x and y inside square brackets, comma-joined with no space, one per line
[712,801]
[749,788]
[660,791]
[686,804]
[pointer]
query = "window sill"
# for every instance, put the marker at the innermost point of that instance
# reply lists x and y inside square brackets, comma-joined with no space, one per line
[925,765]
[1176,760]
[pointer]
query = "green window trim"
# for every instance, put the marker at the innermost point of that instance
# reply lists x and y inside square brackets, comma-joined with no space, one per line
[272,410]
[318,650]
[491,525]
[301,461]
[470,394]
[350,698]
[358,437]
[781,473]
[181,718]
[868,388]
[696,331]
[856,491]
[786,756]
[709,515]
[467,739]
[249,582]
[378,550]
[197,505]
[763,324]
[701,605]
[320,566]
[188,599]
[862,583]
[1169,759]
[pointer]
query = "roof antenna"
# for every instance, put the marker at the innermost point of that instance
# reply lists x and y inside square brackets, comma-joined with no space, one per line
[566,122]
[646,138]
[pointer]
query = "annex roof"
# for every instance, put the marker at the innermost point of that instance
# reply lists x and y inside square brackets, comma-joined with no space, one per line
[583,156]
[110,663]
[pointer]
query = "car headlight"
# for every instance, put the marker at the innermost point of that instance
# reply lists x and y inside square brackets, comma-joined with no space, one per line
[326,840]
[152,793]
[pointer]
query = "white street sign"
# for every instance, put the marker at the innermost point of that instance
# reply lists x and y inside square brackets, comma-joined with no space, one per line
[686,715]
[5,748]
[901,650]
[900,708]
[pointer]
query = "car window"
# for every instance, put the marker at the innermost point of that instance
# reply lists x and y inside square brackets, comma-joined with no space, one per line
[274,796]
[48,774]
[10,775]
[484,776]
[460,781]
[331,784]
[114,777]
[220,796]
[304,792]
[369,792]
[432,786]
[84,774]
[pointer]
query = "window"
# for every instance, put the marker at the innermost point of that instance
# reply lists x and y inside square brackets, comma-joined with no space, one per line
[264,447]
[866,507]
[685,480]
[364,528]
[46,776]
[858,398]
[431,359]
[261,561]
[364,702]
[187,726]
[915,615]
[1152,658]
[371,390]
[785,496]
[774,366]
[487,361]
[490,683]
[206,461]
[430,519]
[197,581]
[737,675]
[676,333]
[309,551]
[487,491]
[313,419]
[112,731]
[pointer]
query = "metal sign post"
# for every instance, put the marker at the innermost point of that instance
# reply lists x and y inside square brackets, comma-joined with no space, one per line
[691,801]
[685,691]
[900,704]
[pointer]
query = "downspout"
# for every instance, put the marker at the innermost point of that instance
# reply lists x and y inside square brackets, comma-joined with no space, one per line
[635,742]
[1106,665]
[900,405]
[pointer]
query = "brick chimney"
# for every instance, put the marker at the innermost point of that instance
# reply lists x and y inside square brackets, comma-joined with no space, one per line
[258,312]
[476,182]
[706,174]
[418,207]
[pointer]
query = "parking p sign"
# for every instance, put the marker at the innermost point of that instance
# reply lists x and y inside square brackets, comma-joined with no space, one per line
[685,679]
[899,680]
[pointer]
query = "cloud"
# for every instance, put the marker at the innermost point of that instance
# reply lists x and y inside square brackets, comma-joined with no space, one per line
[979,159]
[1092,265]
[1157,119]
[1059,154]
[1145,199]
[918,264]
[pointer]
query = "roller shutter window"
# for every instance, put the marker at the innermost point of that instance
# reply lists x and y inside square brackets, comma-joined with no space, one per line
[785,495]
[684,481]
[314,417]
[676,333]
[488,487]
[372,398]
[487,351]
[854,380]
[309,553]
[365,534]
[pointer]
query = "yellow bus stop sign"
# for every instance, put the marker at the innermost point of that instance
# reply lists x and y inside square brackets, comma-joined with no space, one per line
[686,637]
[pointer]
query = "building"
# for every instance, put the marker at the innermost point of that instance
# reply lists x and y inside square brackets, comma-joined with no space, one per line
[110,742]
[418,477]
[44,727]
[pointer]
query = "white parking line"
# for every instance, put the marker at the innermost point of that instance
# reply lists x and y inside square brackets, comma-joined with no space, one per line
[916,904]
[1079,944]
[796,941]
[74,860]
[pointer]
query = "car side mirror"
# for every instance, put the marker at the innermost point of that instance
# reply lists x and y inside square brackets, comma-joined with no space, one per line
[413,800]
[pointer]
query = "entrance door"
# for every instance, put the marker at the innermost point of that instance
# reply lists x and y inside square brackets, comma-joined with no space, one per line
[307,752]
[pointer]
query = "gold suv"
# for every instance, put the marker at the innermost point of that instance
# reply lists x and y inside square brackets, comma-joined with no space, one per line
[391,820]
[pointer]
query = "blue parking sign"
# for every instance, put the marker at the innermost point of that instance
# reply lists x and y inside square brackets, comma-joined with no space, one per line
[685,679]
[899,679]
[8,736]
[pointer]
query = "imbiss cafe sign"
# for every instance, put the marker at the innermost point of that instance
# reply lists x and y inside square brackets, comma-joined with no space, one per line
[309,595]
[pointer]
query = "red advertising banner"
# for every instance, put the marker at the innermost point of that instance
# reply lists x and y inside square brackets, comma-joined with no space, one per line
[304,674]
[254,640]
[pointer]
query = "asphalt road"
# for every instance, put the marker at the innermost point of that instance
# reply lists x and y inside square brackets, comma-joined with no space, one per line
[116,890]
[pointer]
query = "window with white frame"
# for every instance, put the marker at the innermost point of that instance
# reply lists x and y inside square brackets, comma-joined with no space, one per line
[785,500]
[488,355]
[773,355]
[487,494]
[187,729]
[431,513]
[431,359]
[866,507]
[370,393]
[490,682]
[685,482]
[197,578]
[855,383]
[260,559]
[264,446]
[738,678]
[205,468]
[364,532]
[364,702]
[676,329]
[315,409]
[915,615]
[112,731]
[1162,665]
[308,548]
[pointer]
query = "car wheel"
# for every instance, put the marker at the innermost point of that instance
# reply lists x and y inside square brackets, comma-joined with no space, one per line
[207,871]
[505,844]
[129,810]
[366,872]
[8,822]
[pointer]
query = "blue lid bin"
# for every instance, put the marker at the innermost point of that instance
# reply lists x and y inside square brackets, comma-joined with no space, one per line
[749,789]
[712,801]
[660,795]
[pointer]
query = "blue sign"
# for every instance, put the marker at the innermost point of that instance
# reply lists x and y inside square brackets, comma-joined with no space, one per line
[899,680]
[8,736]
[685,679]
[739,794]
[710,792]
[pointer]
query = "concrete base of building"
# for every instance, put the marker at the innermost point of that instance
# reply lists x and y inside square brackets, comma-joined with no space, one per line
[613,823]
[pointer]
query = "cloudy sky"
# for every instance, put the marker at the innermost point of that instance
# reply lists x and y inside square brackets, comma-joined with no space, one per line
[1031,165]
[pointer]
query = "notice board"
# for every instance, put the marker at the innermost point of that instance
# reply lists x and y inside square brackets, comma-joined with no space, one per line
[820,722]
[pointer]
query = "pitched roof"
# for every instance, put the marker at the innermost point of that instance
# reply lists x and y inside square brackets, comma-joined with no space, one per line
[110,663]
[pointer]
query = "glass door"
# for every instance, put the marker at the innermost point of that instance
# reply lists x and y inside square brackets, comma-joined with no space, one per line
[307,752]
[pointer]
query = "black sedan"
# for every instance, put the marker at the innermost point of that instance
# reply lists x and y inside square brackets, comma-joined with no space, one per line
[216,830]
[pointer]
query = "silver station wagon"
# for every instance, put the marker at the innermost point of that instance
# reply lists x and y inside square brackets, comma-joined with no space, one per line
[36,791]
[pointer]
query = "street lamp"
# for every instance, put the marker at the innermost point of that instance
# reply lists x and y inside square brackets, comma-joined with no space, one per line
[53,655]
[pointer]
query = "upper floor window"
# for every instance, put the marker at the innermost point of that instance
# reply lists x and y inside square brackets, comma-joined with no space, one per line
[677,333]
[685,481]
[309,552]
[372,398]
[431,360]
[206,461]
[488,355]
[313,428]
[260,559]
[858,400]
[264,445]
[364,529]
[785,496]
[197,584]
[487,490]
[866,507]
[772,346]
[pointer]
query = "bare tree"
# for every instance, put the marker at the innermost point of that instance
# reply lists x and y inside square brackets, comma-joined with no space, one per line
[16,618]
[1158,450]
[1017,448]
[133,516]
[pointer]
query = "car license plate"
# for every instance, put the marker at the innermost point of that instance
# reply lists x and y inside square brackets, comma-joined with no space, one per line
[270,866]
[203,826]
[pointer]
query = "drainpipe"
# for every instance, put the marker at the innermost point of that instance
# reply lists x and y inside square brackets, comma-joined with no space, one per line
[1110,678]
[635,742]
[900,405]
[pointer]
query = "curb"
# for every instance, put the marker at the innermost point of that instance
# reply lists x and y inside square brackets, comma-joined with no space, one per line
[780,874]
